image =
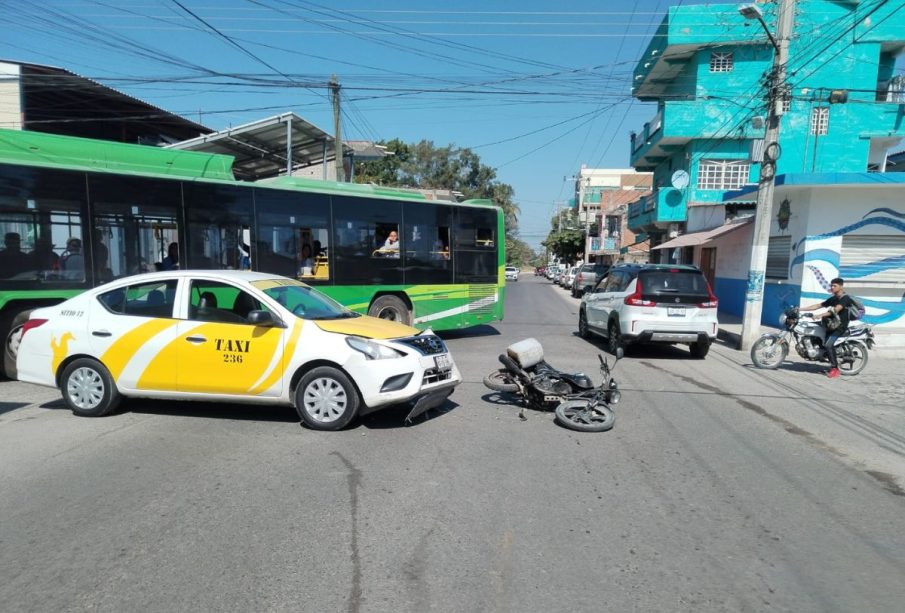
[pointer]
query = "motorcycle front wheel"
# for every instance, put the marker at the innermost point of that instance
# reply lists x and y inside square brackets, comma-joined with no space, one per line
[501,381]
[580,415]
[852,357]
[768,351]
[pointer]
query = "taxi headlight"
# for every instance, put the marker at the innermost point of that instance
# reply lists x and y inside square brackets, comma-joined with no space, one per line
[373,351]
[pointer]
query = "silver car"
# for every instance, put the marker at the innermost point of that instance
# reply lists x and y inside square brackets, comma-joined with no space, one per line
[651,303]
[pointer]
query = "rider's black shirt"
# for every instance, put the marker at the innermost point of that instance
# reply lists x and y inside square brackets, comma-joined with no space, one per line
[846,302]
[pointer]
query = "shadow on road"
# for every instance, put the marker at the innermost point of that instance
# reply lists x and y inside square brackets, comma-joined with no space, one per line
[477,331]
[6,407]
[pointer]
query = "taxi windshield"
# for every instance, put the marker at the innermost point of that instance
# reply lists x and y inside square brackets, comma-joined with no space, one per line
[304,302]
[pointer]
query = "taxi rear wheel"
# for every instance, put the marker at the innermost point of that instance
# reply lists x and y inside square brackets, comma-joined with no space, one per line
[326,399]
[88,388]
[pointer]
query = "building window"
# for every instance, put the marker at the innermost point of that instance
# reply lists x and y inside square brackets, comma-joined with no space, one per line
[723,174]
[721,61]
[820,120]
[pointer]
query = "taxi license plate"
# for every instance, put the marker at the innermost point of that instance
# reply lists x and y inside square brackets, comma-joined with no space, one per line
[443,362]
[675,311]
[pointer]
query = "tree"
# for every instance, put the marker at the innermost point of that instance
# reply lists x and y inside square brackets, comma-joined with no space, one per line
[424,165]
[566,238]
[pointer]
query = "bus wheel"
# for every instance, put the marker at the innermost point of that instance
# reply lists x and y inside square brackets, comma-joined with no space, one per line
[11,344]
[392,308]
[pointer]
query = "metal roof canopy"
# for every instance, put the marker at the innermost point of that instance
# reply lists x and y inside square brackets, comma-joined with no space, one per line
[705,236]
[57,101]
[263,148]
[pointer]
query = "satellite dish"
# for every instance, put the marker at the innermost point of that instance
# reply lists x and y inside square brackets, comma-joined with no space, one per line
[679,179]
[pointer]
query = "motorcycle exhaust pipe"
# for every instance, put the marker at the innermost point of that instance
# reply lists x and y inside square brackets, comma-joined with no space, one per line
[512,367]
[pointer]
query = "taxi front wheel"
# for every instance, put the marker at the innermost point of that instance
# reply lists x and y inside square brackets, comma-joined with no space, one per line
[326,399]
[88,388]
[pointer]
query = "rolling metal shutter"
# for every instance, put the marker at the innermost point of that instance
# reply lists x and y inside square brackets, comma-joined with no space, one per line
[778,253]
[876,259]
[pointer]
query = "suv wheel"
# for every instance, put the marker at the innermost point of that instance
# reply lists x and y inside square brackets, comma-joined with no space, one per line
[614,337]
[583,331]
[699,350]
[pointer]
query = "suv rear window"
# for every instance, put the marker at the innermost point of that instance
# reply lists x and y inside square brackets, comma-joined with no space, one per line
[688,286]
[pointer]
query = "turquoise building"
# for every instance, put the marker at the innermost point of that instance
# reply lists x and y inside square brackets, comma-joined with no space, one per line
[707,69]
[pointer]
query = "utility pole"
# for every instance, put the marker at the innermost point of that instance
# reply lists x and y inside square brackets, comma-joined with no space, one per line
[338,142]
[754,295]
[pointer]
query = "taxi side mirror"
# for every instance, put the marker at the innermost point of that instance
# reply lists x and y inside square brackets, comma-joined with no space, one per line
[261,318]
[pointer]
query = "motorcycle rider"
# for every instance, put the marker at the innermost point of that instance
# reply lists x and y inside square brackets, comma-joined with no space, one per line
[837,303]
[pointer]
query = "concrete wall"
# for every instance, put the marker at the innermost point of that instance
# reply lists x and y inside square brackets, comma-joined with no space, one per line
[820,216]
[10,97]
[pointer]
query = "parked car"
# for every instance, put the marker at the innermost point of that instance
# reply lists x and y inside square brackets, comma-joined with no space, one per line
[587,278]
[651,303]
[557,273]
[230,336]
[540,271]
[512,273]
[569,277]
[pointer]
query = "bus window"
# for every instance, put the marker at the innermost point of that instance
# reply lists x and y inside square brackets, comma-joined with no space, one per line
[218,217]
[134,221]
[475,239]
[427,234]
[293,234]
[40,211]
[361,235]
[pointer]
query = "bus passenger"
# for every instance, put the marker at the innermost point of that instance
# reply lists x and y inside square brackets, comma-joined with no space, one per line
[171,262]
[12,259]
[72,262]
[43,257]
[306,265]
[392,244]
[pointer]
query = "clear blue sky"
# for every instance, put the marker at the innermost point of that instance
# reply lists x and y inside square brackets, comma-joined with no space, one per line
[534,89]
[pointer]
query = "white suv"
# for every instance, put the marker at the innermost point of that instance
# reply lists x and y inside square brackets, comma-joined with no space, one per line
[651,303]
[512,273]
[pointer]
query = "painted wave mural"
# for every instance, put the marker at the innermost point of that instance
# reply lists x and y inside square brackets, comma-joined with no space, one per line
[879,311]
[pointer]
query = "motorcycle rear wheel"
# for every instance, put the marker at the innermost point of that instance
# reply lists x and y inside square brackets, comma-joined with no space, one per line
[852,357]
[579,415]
[501,381]
[768,352]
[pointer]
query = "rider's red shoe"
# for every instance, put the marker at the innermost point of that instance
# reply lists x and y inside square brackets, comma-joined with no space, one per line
[833,373]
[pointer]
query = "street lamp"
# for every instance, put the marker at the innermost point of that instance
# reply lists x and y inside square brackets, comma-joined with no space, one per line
[754,295]
[752,11]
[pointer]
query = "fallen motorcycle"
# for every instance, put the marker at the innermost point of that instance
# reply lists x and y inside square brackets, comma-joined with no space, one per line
[804,332]
[577,403]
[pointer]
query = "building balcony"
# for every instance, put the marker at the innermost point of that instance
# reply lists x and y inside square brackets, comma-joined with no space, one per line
[666,205]
[680,121]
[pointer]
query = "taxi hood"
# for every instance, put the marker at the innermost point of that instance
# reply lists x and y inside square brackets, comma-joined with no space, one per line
[367,327]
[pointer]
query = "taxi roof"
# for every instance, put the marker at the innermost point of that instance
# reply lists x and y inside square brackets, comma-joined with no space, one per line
[246,276]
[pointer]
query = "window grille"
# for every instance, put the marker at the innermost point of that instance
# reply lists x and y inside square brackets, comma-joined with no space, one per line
[723,174]
[786,104]
[820,120]
[721,61]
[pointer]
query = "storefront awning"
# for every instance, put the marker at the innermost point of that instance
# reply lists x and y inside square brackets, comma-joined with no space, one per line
[705,236]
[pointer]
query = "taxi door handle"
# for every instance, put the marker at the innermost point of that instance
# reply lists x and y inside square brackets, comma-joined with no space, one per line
[101,333]
[196,339]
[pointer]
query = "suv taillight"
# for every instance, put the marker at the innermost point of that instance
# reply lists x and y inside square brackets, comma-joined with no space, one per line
[29,324]
[712,301]
[635,299]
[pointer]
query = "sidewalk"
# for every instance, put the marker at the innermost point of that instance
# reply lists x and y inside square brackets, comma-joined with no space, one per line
[890,342]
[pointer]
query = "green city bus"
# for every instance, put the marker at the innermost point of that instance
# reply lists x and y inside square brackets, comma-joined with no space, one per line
[76,213]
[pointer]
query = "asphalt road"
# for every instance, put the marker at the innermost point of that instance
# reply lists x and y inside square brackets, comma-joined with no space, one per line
[721,488]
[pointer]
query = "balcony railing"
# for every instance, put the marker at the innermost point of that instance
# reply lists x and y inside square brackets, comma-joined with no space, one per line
[650,128]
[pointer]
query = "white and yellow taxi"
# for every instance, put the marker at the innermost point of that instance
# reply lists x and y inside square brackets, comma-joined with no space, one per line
[231,336]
